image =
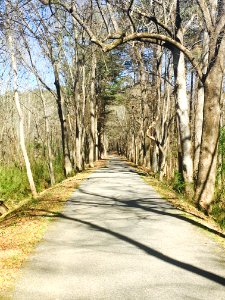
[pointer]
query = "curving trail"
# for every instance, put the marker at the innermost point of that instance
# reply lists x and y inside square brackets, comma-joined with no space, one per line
[118,239]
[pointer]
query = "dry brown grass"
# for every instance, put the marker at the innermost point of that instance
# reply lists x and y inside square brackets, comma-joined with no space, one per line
[22,228]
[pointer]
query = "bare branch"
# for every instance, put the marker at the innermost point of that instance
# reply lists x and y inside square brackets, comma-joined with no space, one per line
[103,17]
[136,36]
[147,37]
[76,16]
[188,24]
[219,27]
[115,25]
[206,14]
[129,15]
[153,19]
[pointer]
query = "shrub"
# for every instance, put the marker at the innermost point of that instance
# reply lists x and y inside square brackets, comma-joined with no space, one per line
[218,207]
[178,182]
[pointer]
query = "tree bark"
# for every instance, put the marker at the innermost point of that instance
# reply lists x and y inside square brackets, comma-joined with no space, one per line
[96,134]
[21,118]
[48,140]
[67,165]
[210,135]
[200,104]
[78,135]
[92,113]
[183,106]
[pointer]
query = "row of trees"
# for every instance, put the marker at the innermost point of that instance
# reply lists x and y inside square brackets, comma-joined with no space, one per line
[167,24]
[162,62]
[54,92]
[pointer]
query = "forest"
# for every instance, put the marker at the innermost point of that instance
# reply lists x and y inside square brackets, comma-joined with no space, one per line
[140,78]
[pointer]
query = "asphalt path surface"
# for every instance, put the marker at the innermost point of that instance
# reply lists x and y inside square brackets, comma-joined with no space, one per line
[118,239]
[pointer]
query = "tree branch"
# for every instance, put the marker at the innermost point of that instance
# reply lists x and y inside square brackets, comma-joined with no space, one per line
[153,19]
[129,15]
[206,14]
[115,25]
[103,17]
[188,24]
[147,37]
[138,36]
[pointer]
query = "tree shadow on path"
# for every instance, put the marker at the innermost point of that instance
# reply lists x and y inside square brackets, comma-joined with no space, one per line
[135,203]
[146,249]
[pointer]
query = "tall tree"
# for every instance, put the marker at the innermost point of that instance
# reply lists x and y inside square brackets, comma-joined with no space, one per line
[12,47]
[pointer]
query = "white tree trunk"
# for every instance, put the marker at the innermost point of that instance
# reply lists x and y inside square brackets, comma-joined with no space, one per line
[155,155]
[183,108]
[205,186]
[21,119]
[200,104]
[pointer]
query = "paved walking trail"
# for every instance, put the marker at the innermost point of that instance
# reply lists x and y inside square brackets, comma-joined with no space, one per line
[118,239]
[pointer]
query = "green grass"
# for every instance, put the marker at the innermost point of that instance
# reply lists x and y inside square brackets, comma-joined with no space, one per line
[177,183]
[218,207]
[14,185]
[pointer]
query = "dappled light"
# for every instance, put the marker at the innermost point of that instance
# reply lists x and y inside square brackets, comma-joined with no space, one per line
[112,231]
[112,128]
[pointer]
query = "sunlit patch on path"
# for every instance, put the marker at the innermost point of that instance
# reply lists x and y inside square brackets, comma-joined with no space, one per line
[118,239]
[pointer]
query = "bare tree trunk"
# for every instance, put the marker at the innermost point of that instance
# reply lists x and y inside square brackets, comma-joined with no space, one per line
[78,135]
[200,104]
[92,113]
[183,106]
[63,122]
[48,138]
[155,161]
[105,145]
[21,118]
[210,134]
[82,123]
[96,134]
[142,74]
[165,127]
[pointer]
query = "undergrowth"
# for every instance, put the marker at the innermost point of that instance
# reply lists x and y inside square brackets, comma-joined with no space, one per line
[177,183]
[218,207]
[14,185]
[217,211]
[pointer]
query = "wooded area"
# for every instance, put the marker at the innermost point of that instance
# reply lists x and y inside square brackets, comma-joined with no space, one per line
[143,78]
